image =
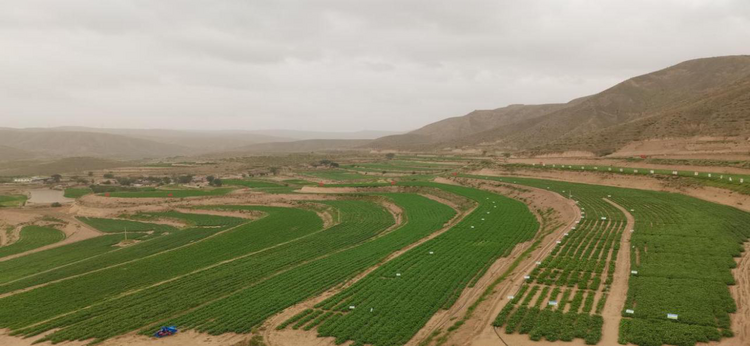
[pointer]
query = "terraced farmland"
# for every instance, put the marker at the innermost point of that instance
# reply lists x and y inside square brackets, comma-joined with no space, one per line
[682,256]
[383,261]
[392,303]
[32,237]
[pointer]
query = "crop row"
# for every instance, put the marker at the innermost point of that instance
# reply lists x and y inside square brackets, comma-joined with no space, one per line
[32,237]
[44,303]
[393,302]
[580,267]
[276,243]
[683,250]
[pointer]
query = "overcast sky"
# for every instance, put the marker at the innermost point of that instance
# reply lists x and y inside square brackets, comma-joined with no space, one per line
[339,65]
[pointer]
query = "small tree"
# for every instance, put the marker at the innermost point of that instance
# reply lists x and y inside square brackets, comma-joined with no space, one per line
[210,179]
[56,178]
[217,182]
[109,176]
[390,156]
[167,180]
[91,174]
[56,205]
[185,179]
[275,170]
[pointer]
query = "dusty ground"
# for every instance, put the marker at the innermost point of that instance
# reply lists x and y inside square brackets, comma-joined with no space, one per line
[477,329]
[741,294]
[604,162]
[186,338]
[74,230]
[695,147]
[619,289]
[711,194]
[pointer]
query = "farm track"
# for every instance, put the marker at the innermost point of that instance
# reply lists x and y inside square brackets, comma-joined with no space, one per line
[706,193]
[612,312]
[478,330]
[307,338]
[741,294]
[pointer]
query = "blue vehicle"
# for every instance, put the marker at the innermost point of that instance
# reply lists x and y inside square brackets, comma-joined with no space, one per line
[165,331]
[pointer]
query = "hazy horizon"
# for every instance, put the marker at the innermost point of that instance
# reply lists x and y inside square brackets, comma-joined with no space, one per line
[337,66]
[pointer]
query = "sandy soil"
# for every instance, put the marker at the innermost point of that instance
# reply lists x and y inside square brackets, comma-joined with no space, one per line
[619,289]
[74,230]
[708,147]
[187,338]
[477,330]
[604,162]
[711,194]
[741,294]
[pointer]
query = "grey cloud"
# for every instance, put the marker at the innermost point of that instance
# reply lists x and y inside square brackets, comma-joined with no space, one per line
[334,64]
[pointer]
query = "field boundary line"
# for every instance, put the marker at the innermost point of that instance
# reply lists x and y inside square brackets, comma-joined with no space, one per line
[612,312]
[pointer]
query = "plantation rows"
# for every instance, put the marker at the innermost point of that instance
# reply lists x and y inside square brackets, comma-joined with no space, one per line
[168,193]
[32,237]
[736,182]
[259,250]
[252,306]
[43,303]
[684,251]
[119,225]
[570,318]
[578,273]
[682,254]
[148,246]
[393,302]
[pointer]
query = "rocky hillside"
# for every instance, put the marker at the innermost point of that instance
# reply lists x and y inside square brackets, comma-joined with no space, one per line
[706,97]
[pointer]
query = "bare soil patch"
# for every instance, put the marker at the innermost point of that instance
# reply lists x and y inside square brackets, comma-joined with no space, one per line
[478,326]
[711,194]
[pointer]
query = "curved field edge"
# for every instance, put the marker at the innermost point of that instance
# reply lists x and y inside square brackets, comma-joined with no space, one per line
[32,237]
[393,302]
[683,250]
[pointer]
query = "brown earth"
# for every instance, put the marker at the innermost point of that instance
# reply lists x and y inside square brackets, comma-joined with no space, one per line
[612,313]
[604,162]
[707,193]
[475,329]
[291,337]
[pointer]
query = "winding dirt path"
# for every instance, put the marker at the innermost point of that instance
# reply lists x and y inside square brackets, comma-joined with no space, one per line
[619,290]
[478,329]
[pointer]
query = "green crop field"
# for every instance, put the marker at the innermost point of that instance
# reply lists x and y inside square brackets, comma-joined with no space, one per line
[77,192]
[251,183]
[682,252]
[32,237]
[168,193]
[391,304]
[339,174]
[729,181]
[387,270]
[12,201]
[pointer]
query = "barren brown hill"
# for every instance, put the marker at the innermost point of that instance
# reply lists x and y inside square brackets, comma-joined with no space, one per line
[57,144]
[457,128]
[697,97]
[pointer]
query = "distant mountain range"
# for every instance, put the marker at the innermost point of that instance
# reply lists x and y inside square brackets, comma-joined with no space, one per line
[703,97]
[127,144]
